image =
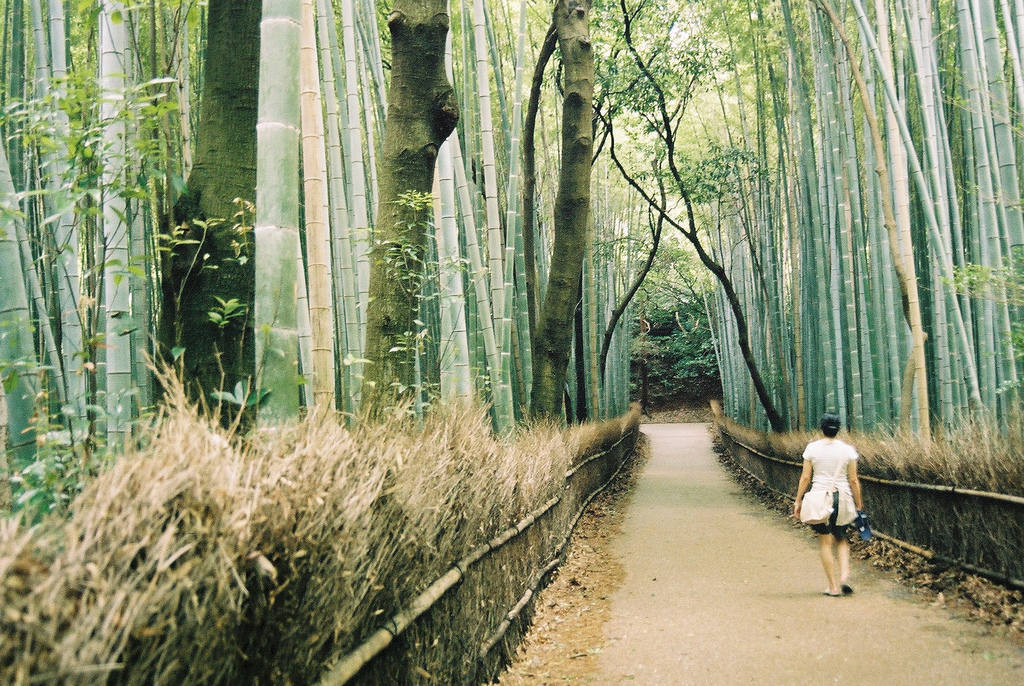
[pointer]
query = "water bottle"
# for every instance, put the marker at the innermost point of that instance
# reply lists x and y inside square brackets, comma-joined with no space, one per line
[862,525]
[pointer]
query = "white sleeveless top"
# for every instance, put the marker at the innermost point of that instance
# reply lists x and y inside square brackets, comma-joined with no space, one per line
[828,456]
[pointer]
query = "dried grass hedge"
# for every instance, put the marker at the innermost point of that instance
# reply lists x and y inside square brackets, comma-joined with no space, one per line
[207,558]
[977,454]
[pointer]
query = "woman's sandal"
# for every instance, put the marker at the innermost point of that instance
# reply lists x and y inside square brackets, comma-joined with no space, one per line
[831,595]
[847,589]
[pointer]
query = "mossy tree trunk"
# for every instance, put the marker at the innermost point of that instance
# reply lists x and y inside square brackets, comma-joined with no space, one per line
[212,256]
[422,112]
[572,209]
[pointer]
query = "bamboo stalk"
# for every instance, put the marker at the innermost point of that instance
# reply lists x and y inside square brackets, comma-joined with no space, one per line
[277,212]
[317,215]
[117,308]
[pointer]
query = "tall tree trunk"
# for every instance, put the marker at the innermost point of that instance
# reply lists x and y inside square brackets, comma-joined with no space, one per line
[15,89]
[572,208]
[220,264]
[422,111]
[579,361]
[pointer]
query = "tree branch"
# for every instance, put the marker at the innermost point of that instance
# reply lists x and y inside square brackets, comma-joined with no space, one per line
[530,175]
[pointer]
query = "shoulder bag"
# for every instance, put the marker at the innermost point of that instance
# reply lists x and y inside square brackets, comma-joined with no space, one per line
[816,506]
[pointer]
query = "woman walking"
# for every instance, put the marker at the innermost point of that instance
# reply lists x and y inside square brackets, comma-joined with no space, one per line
[830,467]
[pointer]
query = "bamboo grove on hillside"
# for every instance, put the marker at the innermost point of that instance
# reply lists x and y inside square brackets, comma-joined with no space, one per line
[202,183]
[866,192]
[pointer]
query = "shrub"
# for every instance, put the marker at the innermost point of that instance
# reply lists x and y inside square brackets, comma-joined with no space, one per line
[211,558]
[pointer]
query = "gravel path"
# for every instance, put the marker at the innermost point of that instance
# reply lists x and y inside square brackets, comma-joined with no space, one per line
[719,591]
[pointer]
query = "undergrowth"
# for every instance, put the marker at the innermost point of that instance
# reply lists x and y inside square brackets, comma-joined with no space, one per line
[209,557]
[977,454]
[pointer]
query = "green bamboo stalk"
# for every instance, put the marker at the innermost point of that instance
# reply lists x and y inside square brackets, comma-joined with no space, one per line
[42,50]
[317,215]
[921,42]
[360,226]
[900,243]
[345,287]
[277,210]
[304,332]
[373,190]
[117,315]
[453,341]
[1007,183]
[494,239]
[999,210]
[66,236]
[515,259]
[54,169]
[938,242]
[990,42]
[454,345]
[591,307]
[17,352]
[370,40]
[501,393]
[904,268]
[5,463]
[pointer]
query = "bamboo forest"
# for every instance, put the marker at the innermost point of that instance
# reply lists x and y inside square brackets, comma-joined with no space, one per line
[517,217]
[848,176]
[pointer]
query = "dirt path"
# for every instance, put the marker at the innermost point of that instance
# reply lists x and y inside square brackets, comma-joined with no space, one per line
[717,590]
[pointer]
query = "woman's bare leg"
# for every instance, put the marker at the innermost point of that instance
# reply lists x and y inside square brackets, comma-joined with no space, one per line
[843,549]
[828,561]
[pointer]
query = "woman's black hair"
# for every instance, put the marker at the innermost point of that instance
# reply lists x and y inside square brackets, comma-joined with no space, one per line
[830,424]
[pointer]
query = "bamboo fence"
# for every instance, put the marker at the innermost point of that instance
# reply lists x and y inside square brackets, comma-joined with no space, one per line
[978,531]
[383,659]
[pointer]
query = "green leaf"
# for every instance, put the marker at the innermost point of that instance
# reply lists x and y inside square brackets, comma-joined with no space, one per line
[226,396]
[10,381]
[257,398]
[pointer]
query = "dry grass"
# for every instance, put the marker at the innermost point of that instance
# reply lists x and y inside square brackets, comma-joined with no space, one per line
[208,559]
[977,454]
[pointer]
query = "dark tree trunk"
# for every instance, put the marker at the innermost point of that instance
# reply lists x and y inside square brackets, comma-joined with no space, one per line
[668,128]
[572,208]
[580,360]
[530,176]
[218,264]
[422,112]
[644,388]
[628,297]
